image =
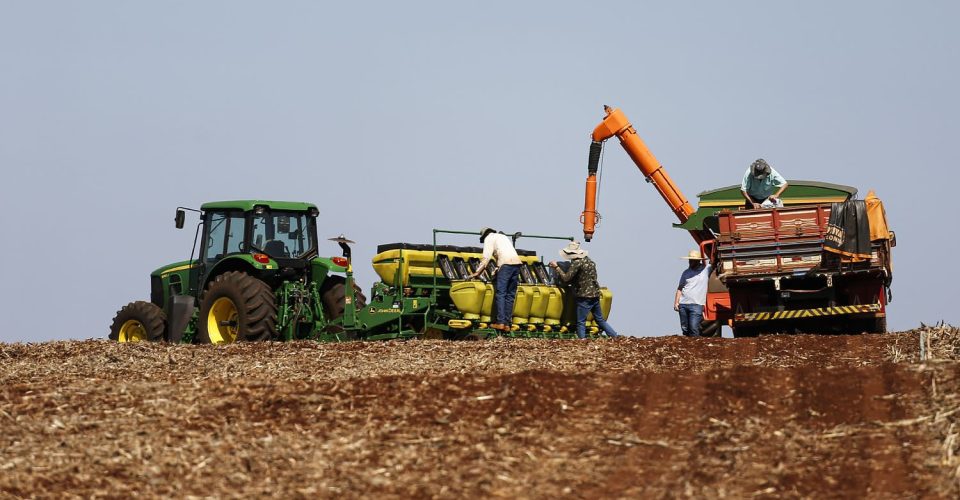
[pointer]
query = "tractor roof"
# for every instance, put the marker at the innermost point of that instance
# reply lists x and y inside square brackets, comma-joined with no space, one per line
[247,205]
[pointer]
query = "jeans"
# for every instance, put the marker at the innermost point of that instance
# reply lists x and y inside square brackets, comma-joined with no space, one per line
[691,315]
[587,305]
[505,292]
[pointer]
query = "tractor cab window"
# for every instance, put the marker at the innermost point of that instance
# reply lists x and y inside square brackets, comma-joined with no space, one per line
[282,235]
[224,234]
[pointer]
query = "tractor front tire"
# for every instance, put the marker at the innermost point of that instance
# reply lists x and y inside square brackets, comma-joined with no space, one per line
[139,322]
[237,307]
[333,294]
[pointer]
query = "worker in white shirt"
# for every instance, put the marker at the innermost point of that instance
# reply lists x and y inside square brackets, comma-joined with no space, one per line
[691,294]
[499,247]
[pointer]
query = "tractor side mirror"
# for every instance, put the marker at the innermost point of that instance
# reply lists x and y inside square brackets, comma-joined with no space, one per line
[180,218]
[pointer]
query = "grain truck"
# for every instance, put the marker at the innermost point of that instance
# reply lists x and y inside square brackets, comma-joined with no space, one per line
[821,263]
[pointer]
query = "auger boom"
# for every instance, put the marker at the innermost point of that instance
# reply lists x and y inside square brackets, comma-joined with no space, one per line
[616,124]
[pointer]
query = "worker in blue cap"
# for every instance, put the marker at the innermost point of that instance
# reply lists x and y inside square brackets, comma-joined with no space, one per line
[762,185]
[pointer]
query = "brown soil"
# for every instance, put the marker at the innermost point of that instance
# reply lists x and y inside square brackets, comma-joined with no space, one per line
[773,417]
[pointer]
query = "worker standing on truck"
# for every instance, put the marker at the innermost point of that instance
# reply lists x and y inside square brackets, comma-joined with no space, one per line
[762,185]
[691,294]
[499,247]
[583,273]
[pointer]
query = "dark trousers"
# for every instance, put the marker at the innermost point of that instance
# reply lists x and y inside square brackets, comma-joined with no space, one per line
[587,305]
[691,315]
[505,292]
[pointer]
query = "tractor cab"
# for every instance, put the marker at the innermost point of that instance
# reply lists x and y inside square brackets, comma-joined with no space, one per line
[274,239]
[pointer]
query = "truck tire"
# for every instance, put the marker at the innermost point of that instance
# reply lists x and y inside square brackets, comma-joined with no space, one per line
[873,325]
[710,328]
[139,322]
[745,331]
[236,307]
[333,294]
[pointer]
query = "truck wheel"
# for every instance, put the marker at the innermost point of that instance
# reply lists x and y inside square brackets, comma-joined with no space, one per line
[333,294]
[237,307]
[710,328]
[139,322]
[745,331]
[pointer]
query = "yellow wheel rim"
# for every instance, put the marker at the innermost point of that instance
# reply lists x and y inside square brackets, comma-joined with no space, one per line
[223,322]
[132,331]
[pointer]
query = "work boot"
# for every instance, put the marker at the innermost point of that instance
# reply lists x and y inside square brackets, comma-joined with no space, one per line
[498,326]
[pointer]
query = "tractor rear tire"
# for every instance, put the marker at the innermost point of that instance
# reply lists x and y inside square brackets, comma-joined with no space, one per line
[139,322]
[333,294]
[710,328]
[237,307]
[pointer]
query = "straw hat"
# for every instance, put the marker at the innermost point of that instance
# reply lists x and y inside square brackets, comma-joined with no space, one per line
[693,255]
[484,231]
[573,251]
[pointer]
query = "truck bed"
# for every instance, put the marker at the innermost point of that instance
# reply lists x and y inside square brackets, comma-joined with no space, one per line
[772,243]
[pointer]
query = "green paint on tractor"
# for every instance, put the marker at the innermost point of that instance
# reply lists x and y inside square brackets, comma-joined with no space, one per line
[249,205]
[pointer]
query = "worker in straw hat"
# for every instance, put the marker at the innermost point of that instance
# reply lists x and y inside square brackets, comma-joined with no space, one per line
[691,294]
[583,274]
[499,247]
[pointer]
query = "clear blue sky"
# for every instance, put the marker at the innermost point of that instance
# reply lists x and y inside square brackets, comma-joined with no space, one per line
[399,117]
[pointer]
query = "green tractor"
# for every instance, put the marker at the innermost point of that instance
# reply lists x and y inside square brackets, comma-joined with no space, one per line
[258,276]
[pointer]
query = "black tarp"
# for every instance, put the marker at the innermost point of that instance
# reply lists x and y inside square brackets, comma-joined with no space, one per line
[848,231]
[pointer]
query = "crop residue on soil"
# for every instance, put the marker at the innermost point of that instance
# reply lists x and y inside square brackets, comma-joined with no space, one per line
[784,416]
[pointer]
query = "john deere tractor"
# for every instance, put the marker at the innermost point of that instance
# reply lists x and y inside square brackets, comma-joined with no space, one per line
[258,276]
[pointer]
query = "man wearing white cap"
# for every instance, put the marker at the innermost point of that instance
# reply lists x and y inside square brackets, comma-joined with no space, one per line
[499,247]
[586,288]
[691,294]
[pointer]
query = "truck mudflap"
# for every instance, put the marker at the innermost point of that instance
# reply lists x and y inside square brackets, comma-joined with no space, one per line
[808,313]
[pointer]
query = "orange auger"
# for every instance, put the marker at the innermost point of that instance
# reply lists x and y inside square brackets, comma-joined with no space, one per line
[590,217]
[616,124]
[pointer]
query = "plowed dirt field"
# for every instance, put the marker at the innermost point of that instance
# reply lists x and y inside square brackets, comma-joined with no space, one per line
[769,417]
